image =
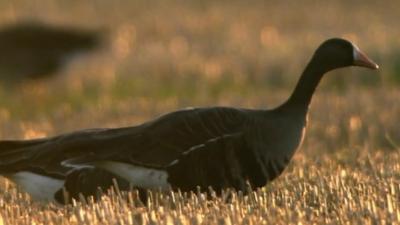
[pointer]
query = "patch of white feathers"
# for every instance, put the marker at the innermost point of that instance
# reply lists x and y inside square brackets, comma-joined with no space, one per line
[41,188]
[138,176]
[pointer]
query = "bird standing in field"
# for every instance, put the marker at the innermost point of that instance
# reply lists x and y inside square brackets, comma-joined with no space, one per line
[219,147]
[32,50]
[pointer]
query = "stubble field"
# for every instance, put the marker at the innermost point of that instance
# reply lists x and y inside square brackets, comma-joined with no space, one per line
[163,56]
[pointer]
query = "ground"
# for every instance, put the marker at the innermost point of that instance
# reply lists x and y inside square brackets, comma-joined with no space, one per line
[163,56]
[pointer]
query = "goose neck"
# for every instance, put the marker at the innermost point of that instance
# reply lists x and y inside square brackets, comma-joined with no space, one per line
[301,97]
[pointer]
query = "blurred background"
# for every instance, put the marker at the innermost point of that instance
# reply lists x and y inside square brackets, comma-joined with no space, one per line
[144,58]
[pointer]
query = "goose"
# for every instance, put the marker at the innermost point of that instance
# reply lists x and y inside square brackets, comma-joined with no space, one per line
[218,147]
[33,50]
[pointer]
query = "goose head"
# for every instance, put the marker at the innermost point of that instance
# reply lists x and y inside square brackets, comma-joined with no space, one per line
[336,53]
[332,54]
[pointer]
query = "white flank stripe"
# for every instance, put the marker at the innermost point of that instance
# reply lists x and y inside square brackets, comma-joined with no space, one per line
[174,162]
[67,163]
[193,148]
[137,175]
[199,146]
[41,188]
[209,141]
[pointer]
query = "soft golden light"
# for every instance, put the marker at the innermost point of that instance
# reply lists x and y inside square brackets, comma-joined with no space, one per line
[178,46]
[124,40]
[269,36]
[355,123]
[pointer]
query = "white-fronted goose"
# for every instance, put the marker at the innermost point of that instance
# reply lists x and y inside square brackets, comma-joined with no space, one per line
[218,146]
[31,50]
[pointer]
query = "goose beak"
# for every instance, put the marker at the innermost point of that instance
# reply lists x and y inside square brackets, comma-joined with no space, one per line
[361,59]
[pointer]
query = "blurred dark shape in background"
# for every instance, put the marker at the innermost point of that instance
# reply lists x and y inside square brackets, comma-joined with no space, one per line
[34,50]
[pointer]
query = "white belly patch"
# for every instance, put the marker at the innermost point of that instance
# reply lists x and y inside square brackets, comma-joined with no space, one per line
[41,188]
[137,175]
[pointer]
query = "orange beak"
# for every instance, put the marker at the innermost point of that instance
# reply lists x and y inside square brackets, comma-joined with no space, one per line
[361,59]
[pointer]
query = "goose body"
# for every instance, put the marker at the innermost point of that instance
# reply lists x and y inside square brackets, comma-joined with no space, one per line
[219,147]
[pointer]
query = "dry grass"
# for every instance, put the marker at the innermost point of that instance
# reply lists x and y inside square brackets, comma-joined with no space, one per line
[362,190]
[168,55]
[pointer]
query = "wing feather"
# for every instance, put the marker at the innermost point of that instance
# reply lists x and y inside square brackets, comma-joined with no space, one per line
[225,161]
[156,143]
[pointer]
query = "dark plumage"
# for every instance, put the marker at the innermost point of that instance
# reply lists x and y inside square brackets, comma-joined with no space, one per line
[217,146]
[34,50]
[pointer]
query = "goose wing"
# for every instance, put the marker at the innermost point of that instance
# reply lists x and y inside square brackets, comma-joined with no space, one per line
[154,144]
[226,161]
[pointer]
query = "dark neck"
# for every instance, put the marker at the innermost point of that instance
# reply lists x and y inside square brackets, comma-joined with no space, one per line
[302,94]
